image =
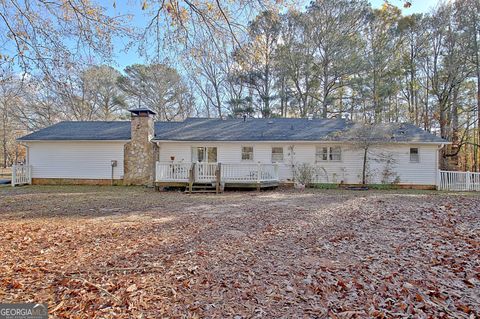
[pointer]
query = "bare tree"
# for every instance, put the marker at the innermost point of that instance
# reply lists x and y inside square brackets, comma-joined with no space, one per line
[335,29]
[34,33]
[366,137]
[256,60]
[10,99]
[158,87]
[102,91]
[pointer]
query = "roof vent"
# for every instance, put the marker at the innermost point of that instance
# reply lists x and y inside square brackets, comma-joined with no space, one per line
[270,122]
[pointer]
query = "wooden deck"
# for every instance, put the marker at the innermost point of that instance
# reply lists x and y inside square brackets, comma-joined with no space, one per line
[215,177]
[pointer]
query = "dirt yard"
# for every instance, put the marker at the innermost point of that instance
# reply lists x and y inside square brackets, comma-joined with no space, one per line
[117,252]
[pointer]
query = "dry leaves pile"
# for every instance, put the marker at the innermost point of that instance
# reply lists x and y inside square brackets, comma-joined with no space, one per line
[134,253]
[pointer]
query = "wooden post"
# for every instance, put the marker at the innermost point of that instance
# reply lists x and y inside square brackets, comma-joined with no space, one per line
[259,168]
[439,179]
[14,174]
[191,177]
[468,181]
[29,174]
[218,177]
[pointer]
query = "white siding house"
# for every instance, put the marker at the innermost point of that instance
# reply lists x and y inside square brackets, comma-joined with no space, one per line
[347,168]
[76,160]
[251,150]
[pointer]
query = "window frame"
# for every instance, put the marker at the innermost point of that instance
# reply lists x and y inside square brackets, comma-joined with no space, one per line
[206,151]
[325,154]
[252,153]
[339,153]
[416,156]
[272,154]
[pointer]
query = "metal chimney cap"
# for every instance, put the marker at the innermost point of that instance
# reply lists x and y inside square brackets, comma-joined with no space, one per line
[142,110]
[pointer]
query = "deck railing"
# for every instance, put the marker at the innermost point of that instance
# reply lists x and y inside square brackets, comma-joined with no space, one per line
[458,181]
[21,174]
[205,172]
[249,173]
[173,172]
[214,172]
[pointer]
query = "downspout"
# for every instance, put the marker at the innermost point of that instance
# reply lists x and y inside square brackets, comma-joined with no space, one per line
[113,163]
[156,159]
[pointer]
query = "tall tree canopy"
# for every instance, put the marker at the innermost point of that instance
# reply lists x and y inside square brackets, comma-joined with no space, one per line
[221,58]
[158,87]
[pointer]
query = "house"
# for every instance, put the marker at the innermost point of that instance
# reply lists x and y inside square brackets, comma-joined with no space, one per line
[232,152]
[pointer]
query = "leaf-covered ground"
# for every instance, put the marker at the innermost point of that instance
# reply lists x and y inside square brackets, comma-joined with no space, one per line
[101,252]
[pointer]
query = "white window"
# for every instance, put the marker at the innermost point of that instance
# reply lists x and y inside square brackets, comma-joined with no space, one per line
[204,154]
[414,155]
[333,153]
[277,154]
[321,153]
[247,153]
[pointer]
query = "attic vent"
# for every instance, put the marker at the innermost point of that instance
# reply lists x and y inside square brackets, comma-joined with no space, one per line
[402,132]
[270,122]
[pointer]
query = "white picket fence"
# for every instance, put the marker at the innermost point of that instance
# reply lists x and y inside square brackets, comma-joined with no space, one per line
[458,181]
[21,174]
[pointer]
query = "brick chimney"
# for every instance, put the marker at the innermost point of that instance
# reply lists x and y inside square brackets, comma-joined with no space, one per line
[140,153]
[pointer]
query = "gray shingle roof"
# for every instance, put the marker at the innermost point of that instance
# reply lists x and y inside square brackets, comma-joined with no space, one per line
[198,129]
[82,130]
[394,132]
[278,129]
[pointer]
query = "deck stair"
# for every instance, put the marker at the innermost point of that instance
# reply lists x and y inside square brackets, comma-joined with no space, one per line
[202,188]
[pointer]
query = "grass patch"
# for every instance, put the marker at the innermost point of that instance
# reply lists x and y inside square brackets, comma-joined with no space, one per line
[326,186]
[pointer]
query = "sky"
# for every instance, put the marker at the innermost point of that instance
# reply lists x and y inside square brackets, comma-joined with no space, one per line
[124,59]
[418,6]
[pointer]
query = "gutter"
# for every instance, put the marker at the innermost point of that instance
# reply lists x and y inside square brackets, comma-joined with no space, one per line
[292,141]
[49,141]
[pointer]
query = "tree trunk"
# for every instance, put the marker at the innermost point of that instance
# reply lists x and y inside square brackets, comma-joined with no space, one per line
[442,104]
[266,104]
[5,153]
[453,148]
[376,101]
[426,119]
[325,94]
[219,101]
[476,141]
[477,159]
[364,170]
[4,137]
